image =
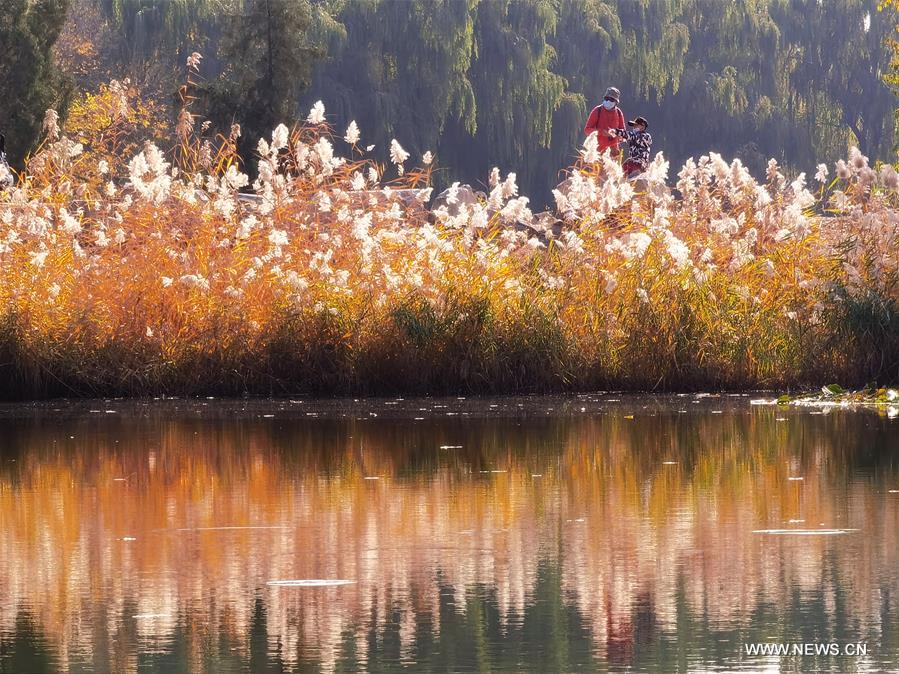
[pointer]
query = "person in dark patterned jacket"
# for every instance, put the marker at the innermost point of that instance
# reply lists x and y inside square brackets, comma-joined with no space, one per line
[638,143]
[6,179]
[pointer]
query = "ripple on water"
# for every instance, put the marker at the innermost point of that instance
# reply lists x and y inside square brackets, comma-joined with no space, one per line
[311,582]
[226,528]
[804,532]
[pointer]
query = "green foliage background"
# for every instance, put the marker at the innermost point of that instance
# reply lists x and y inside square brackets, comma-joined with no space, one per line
[30,79]
[510,82]
[506,82]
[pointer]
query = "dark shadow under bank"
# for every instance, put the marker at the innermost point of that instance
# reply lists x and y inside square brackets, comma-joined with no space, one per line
[524,378]
[54,389]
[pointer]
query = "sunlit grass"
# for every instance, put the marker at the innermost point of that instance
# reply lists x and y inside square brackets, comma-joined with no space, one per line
[147,274]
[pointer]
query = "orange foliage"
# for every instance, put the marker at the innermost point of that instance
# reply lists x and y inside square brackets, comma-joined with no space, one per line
[114,122]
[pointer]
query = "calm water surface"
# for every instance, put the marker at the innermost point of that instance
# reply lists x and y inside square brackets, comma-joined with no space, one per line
[593,533]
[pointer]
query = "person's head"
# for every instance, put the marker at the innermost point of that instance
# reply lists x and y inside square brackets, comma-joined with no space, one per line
[640,124]
[611,98]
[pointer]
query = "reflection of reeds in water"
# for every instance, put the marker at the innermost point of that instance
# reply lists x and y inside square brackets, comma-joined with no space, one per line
[631,535]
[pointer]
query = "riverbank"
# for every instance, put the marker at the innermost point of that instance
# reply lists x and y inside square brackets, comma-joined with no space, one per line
[149,275]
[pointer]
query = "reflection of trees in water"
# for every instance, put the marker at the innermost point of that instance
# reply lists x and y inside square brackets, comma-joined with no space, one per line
[550,635]
[661,570]
[26,649]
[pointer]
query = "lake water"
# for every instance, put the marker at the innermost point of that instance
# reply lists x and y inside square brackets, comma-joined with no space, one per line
[592,533]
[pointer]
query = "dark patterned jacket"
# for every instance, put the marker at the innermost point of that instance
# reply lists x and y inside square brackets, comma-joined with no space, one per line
[638,143]
[7,180]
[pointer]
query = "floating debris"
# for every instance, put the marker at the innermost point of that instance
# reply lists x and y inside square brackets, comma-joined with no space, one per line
[795,479]
[371,477]
[450,446]
[150,616]
[833,394]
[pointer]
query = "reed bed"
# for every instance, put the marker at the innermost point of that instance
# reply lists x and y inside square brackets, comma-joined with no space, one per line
[144,273]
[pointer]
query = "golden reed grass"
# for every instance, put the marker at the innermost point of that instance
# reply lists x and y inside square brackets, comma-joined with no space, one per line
[128,270]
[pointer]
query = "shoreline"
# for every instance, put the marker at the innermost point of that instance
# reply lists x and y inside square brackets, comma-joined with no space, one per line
[407,407]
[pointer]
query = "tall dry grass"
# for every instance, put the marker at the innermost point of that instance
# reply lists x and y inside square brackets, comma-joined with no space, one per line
[146,274]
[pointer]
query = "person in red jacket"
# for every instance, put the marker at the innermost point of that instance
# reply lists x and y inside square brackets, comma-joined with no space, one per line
[604,119]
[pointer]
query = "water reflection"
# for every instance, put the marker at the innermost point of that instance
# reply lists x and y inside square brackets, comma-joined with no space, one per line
[512,538]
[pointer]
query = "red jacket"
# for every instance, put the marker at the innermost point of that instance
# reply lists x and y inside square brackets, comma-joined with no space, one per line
[600,120]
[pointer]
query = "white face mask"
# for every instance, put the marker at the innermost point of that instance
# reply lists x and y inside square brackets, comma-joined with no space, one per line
[608,105]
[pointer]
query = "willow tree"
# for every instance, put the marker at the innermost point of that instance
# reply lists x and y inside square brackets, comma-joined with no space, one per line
[723,101]
[651,51]
[400,69]
[587,42]
[31,81]
[841,59]
[513,75]
[517,93]
[163,29]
